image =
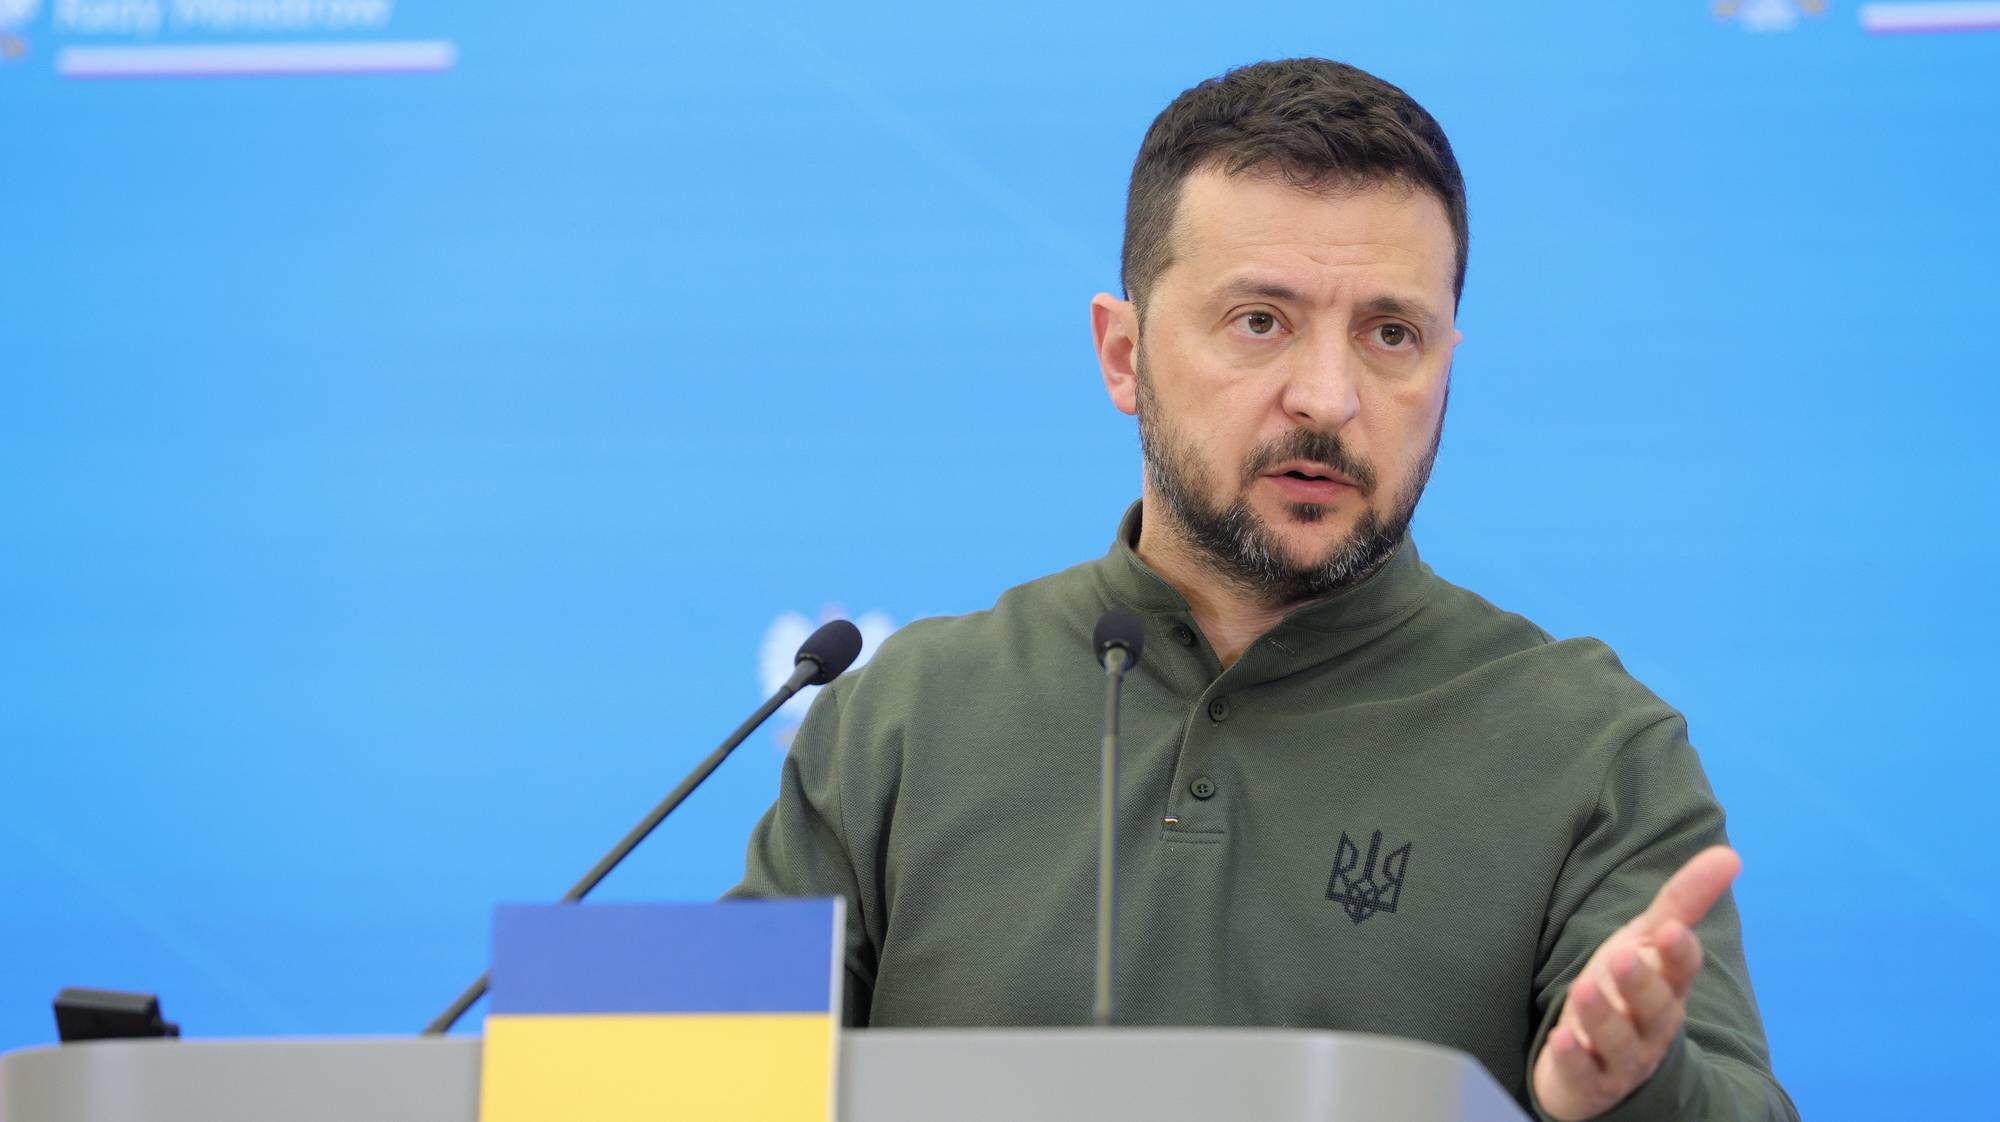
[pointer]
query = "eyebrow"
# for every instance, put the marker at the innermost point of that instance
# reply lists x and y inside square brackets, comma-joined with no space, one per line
[1241,287]
[1396,306]
[1385,305]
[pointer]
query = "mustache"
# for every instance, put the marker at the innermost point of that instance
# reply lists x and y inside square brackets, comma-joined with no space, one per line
[1310,444]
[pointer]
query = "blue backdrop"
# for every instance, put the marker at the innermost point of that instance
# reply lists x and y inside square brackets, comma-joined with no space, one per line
[402,473]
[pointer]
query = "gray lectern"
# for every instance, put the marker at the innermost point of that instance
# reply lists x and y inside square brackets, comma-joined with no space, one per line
[886,1075]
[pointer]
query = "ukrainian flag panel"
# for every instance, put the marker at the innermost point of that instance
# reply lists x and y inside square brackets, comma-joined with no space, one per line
[629,1011]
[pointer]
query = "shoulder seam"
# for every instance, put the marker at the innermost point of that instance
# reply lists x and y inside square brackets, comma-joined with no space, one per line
[1611,765]
[840,781]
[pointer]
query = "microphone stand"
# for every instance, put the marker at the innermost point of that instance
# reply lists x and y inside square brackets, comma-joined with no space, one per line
[1104,1009]
[807,670]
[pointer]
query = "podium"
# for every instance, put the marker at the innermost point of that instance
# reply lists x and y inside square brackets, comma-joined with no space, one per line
[886,1075]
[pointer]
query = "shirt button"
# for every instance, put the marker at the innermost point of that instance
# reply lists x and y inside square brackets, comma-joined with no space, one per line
[1184,635]
[1218,710]
[1202,788]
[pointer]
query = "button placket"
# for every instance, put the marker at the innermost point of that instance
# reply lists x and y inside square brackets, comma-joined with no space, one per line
[1190,801]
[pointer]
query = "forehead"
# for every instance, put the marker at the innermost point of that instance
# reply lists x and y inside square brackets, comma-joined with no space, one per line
[1381,235]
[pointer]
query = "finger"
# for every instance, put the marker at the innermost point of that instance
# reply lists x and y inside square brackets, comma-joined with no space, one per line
[1613,1039]
[1648,1000]
[1680,955]
[1693,890]
[1574,1066]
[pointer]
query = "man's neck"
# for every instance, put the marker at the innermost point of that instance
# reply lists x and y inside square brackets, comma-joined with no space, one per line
[1230,618]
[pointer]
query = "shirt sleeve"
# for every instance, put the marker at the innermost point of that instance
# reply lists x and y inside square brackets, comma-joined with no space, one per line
[1656,810]
[800,847]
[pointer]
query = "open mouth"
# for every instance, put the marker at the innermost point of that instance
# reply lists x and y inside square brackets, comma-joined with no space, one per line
[1304,485]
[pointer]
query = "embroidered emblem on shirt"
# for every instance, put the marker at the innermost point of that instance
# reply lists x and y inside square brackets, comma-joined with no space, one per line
[1359,885]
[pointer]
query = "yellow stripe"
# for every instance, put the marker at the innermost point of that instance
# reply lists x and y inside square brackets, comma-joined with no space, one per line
[601,1068]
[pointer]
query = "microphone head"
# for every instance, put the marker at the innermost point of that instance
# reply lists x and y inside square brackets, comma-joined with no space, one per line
[833,648]
[1119,628]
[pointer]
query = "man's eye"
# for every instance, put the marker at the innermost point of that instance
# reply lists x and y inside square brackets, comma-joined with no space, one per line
[1393,334]
[1260,323]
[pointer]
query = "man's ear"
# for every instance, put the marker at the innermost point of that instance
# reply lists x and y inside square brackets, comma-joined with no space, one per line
[1114,325]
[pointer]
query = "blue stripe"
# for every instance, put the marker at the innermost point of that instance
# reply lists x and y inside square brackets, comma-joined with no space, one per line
[737,956]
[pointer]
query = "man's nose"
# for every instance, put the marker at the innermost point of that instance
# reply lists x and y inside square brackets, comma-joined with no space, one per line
[1320,384]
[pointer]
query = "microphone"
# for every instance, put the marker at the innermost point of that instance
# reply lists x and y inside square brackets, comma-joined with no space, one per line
[824,656]
[831,650]
[1119,630]
[1119,638]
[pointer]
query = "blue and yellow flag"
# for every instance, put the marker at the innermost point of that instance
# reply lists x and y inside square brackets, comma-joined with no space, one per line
[606,1012]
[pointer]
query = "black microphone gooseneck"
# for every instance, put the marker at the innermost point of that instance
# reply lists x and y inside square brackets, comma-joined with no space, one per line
[824,656]
[1119,638]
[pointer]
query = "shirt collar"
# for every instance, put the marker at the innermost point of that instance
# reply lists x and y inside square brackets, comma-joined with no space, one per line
[1312,631]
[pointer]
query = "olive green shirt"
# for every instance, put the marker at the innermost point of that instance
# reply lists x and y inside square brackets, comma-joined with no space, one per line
[1402,810]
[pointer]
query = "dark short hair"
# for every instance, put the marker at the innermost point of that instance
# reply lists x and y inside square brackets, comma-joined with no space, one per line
[1317,124]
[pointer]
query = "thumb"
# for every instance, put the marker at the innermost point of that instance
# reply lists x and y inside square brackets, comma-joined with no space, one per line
[1693,890]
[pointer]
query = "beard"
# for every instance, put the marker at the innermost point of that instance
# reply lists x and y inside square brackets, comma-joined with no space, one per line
[1235,543]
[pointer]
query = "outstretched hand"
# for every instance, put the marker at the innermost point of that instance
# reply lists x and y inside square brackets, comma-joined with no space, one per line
[1627,1006]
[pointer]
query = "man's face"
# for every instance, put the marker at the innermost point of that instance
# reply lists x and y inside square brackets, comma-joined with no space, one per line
[1290,376]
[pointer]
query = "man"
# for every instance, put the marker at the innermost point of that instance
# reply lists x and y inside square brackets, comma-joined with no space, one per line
[1352,795]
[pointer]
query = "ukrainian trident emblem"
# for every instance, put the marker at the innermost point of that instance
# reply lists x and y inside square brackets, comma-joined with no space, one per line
[1361,886]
